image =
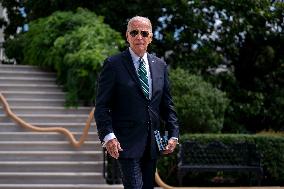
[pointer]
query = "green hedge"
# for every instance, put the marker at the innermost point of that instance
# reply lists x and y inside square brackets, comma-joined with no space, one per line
[200,106]
[270,146]
[74,44]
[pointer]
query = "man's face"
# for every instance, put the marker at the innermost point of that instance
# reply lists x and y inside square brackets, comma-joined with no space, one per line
[139,37]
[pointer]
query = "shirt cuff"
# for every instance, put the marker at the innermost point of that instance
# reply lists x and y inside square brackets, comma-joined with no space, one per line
[175,138]
[107,138]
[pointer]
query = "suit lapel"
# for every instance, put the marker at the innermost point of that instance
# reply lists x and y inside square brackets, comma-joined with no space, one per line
[154,73]
[130,66]
[128,63]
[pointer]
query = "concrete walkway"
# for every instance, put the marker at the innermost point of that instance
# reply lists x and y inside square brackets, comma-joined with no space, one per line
[247,187]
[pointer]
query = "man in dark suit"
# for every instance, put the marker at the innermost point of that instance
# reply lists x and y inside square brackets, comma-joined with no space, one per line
[133,97]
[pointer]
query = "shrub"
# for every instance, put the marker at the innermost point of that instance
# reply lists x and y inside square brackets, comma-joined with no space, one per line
[200,107]
[74,44]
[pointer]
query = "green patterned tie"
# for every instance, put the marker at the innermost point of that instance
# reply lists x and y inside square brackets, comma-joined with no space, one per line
[142,74]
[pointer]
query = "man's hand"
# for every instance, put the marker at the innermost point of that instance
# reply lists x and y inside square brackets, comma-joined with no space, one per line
[113,148]
[172,143]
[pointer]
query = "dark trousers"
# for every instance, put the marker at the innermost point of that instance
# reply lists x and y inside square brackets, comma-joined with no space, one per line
[138,173]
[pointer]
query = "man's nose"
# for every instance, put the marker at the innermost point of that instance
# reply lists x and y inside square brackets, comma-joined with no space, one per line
[139,36]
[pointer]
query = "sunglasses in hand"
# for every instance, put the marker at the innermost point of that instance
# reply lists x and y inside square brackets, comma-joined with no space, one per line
[133,33]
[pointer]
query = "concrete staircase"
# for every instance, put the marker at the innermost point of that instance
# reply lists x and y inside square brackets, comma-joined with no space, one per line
[32,160]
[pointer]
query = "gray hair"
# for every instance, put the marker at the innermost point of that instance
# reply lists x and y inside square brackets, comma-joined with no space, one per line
[141,19]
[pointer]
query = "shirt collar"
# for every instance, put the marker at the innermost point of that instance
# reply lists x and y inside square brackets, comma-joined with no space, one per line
[135,58]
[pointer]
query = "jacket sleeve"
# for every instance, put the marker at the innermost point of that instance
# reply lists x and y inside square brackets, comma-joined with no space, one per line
[168,112]
[104,100]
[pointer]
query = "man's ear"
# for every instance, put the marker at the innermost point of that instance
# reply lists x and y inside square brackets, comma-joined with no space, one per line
[126,35]
[151,38]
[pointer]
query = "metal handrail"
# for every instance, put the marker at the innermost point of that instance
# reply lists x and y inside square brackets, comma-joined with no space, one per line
[61,130]
[162,184]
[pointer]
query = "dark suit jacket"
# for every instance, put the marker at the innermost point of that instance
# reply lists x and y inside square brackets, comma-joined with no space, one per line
[122,108]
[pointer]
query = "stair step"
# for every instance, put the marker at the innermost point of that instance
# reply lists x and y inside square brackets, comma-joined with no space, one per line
[55,177]
[17,68]
[51,155]
[23,73]
[9,126]
[26,80]
[35,102]
[43,136]
[33,95]
[45,118]
[48,110]
[60,186]
[30,87]
[47,146]
[51,166]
